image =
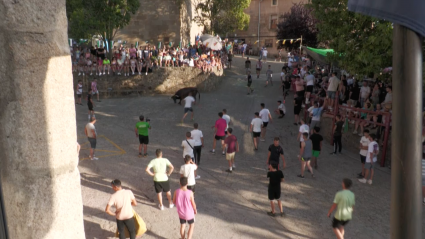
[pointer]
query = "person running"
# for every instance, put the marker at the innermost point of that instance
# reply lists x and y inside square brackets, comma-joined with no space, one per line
[344,204]
[160,177]
[226,117]
[269,74]
[142,131]
[198,137]
[364,146]
[91,134]
[256,126]
[79,92]
[249,79]
[232,146]
[303,129]
[219,132]
[316,140]
[281,109]
[186,208]
[297,109]
[305,155]
[188,170]
[122,200]
[95,91]
[339,125]
[247,65]
[371,158]
[258,67]
[274,189]
[265,117]
[90,104]
[287,88]
[275,152]
[188,105]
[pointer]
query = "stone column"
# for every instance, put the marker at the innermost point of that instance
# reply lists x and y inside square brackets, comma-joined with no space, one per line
[38,157]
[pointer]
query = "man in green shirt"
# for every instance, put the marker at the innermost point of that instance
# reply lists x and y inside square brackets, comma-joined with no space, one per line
[160,177]
[344,204]
[142,131]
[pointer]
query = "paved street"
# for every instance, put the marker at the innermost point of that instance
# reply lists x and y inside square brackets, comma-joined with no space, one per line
[229,205]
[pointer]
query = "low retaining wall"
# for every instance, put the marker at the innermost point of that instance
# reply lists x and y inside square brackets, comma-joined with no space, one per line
[161,81]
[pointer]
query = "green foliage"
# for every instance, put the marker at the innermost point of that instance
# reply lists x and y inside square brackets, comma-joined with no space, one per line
[362,44]
[222,16]
[101,17]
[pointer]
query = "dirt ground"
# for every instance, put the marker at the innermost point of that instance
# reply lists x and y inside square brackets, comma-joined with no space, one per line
[229,205]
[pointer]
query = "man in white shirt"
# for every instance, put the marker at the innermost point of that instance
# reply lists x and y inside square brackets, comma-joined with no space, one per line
[188,170]
[188,105]
[91,134]
[264,54]
[265,117]
[371,158]
[310,84]
[364,93]
[226,117]
[332,88]
[191,63]
[198,137]
[303,129]
[122,200]
[281,109]
[244,49]
[188,146]
[256,126]
[364,146]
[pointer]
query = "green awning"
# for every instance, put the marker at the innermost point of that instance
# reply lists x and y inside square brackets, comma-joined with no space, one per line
[318,55]
[322,52]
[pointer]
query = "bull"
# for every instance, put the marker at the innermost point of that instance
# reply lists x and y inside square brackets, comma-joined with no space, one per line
[183,93]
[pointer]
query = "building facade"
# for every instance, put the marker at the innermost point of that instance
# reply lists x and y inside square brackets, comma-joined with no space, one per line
[165,21]
[263,24]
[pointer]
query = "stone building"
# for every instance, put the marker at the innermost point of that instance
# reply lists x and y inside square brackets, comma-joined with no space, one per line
[162,21]
[263,24]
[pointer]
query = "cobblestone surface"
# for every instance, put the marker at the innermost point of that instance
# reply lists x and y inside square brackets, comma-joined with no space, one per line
[229,205]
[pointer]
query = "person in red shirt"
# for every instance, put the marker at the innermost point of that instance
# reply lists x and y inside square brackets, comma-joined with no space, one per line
[232,145]
[219,128]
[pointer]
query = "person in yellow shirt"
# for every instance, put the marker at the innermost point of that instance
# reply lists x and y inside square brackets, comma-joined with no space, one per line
[344,204]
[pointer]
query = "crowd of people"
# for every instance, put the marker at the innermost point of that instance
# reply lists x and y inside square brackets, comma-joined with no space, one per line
[315,90]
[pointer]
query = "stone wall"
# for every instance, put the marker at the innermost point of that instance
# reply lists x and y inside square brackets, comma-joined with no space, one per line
[161,81]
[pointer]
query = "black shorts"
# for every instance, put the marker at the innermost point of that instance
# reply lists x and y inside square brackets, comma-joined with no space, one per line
[281,112]
[225,133]
[143,139]
[182,221]
[265,124]
[310,88]
[297,110]
[338,224]
[79,95]
[188,109]
[192,188]
[301,93]
[249,84]
[274,194]
[363,159]
[162,186]
[230,60]
[92,142]
[220,137]
[90,107]
[256,134]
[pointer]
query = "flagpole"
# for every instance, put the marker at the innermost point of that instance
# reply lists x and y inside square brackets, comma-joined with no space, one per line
[301,45]
[406,147]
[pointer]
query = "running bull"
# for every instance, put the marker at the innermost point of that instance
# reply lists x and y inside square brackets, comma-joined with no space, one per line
[183,93]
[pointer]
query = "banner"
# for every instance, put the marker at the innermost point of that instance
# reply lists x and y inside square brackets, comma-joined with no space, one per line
[107,45]
[159,45]
[137,44]
[70,42]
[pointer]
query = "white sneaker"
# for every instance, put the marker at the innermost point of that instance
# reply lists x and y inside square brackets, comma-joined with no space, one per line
[133,73]
[140,73]
[160,207]
[197,177]
[369,182]
[171,205]
[233,166]
[79,74]
[95,158]
[355,132]
[108,72]
[363,180]
[91,73]
[83,73]
[146,73]
[105,74]
[96,73]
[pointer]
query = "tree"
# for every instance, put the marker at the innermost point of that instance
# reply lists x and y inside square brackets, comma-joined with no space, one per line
[298,22]
[222,16]
[362,44]
[99,17]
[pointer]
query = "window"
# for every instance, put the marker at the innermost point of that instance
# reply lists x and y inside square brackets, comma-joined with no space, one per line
[273,22]
[166,41]
[274,2]
[269,43]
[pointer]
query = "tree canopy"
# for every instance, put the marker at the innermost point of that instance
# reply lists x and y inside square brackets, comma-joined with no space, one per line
[361,44]
[222,16]
[298,22]
[98,17]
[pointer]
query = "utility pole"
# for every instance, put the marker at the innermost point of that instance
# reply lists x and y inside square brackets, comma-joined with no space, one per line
[259,20]
[301,45]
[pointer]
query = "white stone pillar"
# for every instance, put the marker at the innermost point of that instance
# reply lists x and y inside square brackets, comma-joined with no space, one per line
[38,157]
